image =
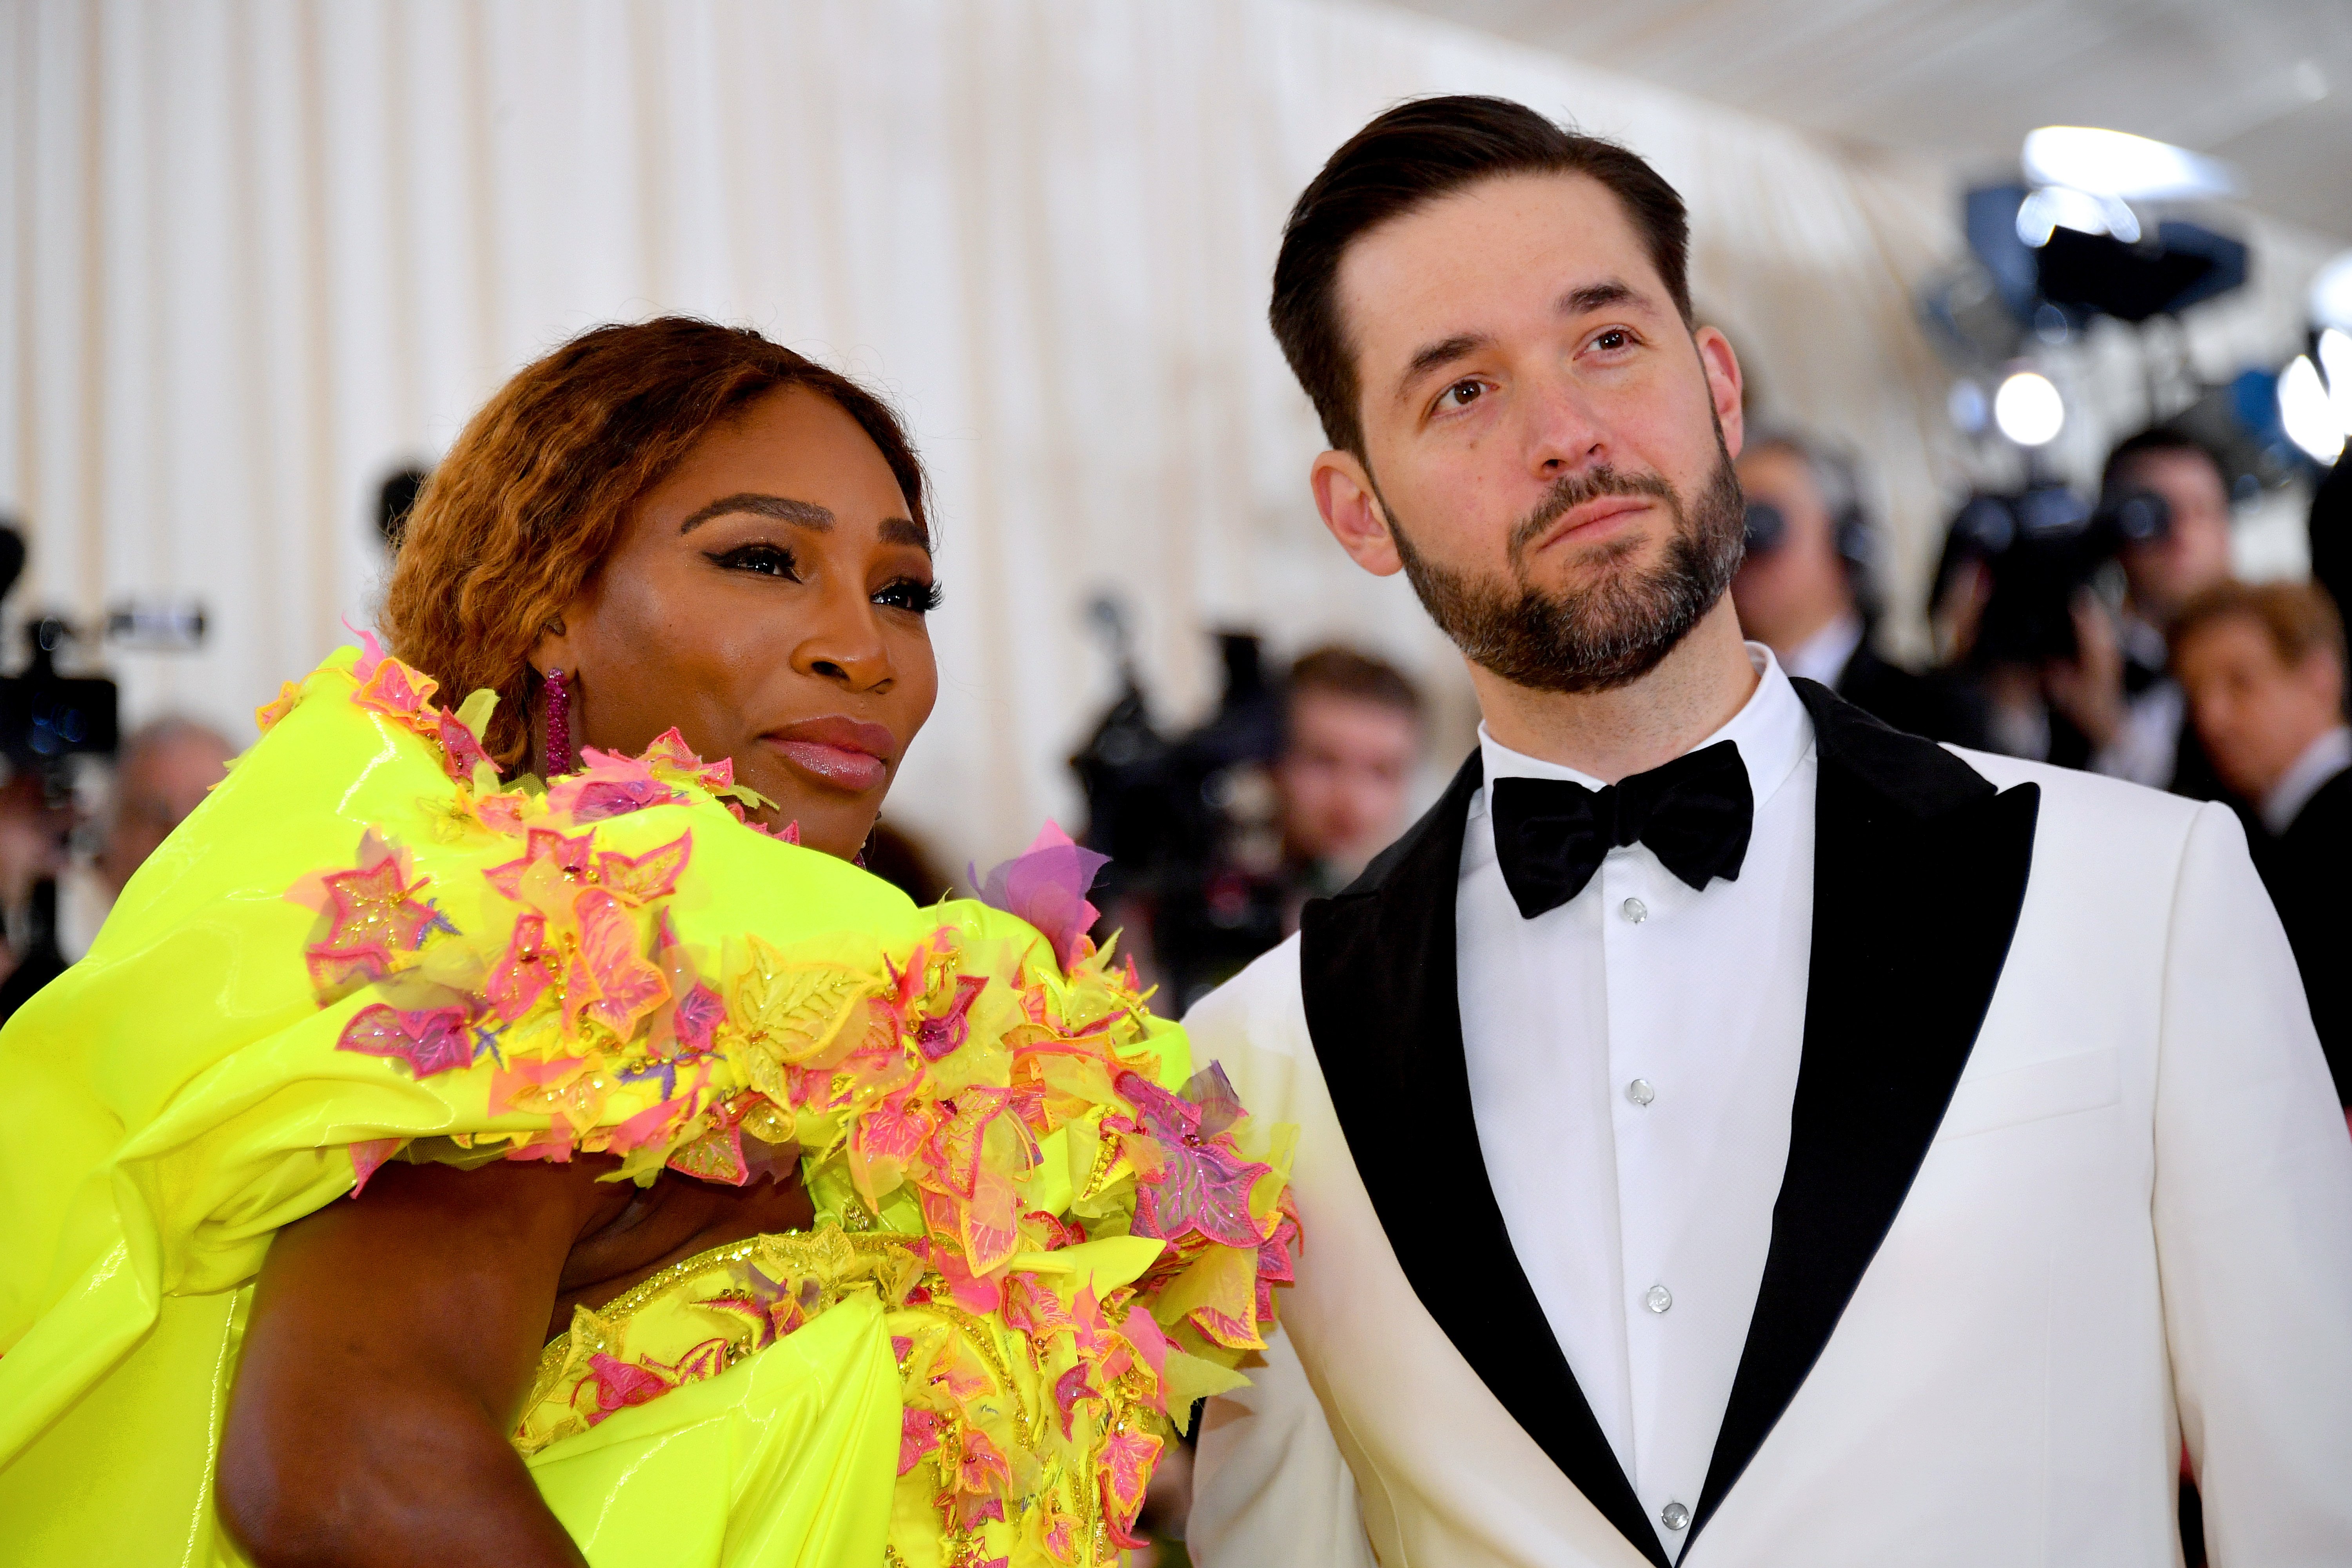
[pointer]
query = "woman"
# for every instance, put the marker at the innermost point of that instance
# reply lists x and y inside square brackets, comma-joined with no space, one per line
[429,1165]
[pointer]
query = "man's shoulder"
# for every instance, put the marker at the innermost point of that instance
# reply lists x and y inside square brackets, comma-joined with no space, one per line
[2104,838]
[1259,994]
[1254,1024]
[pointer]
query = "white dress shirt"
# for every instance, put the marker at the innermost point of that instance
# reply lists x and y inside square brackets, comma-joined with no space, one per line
[1633,1059]
[2321,761]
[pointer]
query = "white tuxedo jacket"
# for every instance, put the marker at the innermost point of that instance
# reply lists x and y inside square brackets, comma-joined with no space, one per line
[2066,1183]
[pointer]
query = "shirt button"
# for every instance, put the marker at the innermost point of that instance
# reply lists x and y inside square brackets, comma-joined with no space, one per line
[1658,1298]
[1675,1516]
[1640,1092]
[1634,910]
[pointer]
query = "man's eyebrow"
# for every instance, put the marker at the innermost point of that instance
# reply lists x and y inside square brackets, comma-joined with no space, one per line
[1431,356]
[807,514]
[1599,297]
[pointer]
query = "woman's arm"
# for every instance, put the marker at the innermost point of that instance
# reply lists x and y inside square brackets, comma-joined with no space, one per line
[391,1345]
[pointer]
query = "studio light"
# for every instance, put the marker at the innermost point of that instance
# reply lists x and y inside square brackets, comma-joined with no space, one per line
[2305,409]
[2063,207]
[2116,163]
[2028,409]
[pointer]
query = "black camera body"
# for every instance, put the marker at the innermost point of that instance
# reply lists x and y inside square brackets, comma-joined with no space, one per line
[2043,547]
[46,717]
[1172,812]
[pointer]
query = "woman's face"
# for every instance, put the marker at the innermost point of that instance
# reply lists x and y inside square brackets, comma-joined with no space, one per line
[767,599]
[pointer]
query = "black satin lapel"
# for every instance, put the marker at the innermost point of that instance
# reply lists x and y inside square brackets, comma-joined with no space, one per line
[1920,872]
[1377,967]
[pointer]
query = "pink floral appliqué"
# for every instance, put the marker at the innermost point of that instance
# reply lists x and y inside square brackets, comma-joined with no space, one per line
[1046,886]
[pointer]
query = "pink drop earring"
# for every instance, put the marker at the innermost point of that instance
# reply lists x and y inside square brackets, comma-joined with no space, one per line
[559,723]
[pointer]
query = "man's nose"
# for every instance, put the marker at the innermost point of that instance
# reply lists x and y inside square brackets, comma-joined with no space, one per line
[1564,431]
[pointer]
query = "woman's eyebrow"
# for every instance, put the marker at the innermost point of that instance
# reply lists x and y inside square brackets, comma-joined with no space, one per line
[906,531]
[807,514]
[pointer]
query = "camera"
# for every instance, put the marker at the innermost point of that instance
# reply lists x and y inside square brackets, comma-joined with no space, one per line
[2043,548]
[1188,820]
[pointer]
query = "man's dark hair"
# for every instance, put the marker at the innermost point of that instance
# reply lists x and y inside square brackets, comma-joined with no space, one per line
[1345,672]
[2153,440]
[1406,158]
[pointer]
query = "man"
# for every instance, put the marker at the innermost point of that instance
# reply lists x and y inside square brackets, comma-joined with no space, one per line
[1796,591]
[1731,1131]
[2118,693]
[161,773]
[1351,736]
[2263,668]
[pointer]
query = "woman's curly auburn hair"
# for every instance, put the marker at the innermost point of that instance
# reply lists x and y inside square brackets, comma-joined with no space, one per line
[523,511]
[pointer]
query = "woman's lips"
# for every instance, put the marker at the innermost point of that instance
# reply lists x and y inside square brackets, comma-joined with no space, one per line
[838,752]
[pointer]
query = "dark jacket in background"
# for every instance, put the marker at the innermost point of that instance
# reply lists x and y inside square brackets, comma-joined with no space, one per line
[2308,869]
[1928,705]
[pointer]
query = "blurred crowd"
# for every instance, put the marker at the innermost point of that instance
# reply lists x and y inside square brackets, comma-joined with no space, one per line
[2109,635]
[64,856]
[2112,637]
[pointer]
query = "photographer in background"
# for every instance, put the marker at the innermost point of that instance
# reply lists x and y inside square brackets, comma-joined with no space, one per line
[1804,588]
[2263,668]
[162,773]
[1352,738]
[2054,613]
[1219,836]
[36,826]
[2120,695]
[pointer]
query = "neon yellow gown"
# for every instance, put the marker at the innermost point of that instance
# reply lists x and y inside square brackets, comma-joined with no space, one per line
[1032,1244]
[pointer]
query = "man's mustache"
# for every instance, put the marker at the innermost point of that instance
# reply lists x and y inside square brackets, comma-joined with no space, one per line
[1571,490]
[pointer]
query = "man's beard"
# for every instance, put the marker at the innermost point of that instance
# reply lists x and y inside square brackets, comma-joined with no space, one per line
[1617,630]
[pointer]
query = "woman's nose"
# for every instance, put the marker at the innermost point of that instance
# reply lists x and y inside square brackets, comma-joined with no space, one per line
[846,645]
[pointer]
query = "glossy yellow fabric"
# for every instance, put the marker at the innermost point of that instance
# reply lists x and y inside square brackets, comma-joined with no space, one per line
[786,1458]
[175,1098]
[190,1087]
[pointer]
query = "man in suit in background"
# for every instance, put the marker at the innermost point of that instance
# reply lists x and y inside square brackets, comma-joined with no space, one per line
[1805,589]
[2263,668]
[1731,1131]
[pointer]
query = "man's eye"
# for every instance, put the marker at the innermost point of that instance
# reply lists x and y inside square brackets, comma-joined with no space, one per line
[1613,340]
[1461,394]
[767,559]
[910,594]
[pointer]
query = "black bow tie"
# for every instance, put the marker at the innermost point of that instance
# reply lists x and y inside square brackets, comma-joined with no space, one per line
[1695,814]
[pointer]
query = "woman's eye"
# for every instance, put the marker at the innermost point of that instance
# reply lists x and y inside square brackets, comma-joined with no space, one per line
[768,560]
[910,594]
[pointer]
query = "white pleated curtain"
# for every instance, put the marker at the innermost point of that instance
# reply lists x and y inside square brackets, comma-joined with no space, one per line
[262,251]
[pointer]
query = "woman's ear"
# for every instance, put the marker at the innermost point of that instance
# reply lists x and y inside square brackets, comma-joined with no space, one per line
[553,648]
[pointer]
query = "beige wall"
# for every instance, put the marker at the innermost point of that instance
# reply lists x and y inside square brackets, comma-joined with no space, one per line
[259,252]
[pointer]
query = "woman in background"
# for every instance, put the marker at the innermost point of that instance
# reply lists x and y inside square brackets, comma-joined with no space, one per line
[431,1164]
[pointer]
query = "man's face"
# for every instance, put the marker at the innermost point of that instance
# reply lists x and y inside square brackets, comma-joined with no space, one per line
[2255,712]
[1345,767]
[2194,553]
[154,794]
[1793,591]
[1548,446]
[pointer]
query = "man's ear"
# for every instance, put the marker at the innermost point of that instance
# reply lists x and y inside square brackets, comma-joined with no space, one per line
[1352,511]
[1723,385]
